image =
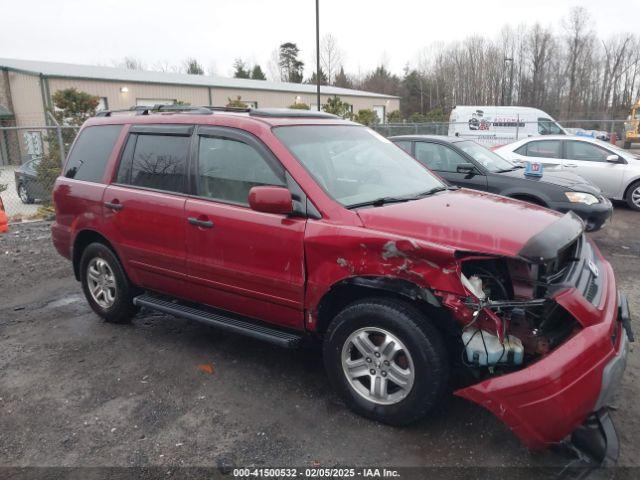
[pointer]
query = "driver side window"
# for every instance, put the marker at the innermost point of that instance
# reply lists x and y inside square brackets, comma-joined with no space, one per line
[585,151]
[438,158]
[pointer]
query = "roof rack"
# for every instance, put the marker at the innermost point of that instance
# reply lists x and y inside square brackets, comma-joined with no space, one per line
[289,113]
[209,109]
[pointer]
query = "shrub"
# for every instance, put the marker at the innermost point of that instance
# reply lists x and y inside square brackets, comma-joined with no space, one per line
[300,106]
[337,107]
[367,117]
[236,103]
[394,117]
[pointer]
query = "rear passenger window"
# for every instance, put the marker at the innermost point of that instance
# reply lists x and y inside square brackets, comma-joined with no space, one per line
[544,149]
[228,169]
[155,161]
[91,152]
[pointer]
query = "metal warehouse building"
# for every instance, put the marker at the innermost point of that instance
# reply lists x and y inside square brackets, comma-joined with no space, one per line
[26,88]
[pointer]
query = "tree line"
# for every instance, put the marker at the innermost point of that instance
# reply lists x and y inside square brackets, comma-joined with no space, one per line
[565,70]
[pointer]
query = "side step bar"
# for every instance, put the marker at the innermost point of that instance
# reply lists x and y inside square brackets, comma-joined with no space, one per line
[218,319]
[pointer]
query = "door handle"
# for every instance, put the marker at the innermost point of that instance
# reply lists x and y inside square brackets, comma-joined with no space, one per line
[571,165]
[200,223]
[115,205]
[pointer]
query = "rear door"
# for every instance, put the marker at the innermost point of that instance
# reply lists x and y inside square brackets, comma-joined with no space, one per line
[240,260]
[547,152]
[445,161]
[590,162]
[144,206]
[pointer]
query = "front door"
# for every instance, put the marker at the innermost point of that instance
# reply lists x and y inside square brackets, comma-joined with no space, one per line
[240,260]
[144,207]
[445,160]
[590,162]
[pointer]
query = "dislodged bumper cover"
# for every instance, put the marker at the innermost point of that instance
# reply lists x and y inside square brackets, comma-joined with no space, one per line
[545,402]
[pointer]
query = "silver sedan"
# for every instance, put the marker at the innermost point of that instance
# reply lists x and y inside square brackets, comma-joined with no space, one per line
[614,170]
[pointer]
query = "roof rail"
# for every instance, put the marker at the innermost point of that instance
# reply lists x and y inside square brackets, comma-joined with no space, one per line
[209,109]
[289,113]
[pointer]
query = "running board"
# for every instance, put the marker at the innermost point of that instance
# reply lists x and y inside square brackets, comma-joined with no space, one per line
[218,319]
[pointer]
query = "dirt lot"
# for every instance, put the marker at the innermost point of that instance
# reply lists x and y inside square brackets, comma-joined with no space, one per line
[75,391]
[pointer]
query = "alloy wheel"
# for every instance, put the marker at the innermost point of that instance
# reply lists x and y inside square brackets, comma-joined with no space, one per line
[635,197]
[101,282]
[378,365]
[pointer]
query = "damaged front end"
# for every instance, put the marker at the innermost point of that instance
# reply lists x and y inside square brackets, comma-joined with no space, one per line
[545,336]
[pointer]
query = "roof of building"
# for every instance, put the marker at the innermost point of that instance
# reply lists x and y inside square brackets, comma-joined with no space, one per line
[94,72]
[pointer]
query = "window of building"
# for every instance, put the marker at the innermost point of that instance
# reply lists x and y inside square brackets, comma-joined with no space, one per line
[228,169]
[103,104]
[90,153]
[150,102]
[155,161]
[380,112]
[438,157]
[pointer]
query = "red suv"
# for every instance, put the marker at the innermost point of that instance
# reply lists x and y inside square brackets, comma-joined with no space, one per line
[291,225]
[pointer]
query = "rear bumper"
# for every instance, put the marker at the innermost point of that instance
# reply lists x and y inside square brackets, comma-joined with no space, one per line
[547,401]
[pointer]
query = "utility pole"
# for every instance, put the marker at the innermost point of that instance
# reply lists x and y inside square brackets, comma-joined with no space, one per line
[318,53]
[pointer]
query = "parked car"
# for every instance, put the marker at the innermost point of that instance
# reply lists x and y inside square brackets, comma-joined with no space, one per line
[614,170]
[501,122]
[27,185]
[4,221]
[467,164]
[291,225]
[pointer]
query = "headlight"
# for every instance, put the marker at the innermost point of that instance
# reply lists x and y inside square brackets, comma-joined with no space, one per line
[581,197]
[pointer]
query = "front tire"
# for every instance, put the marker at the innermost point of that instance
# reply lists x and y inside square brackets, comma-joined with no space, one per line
[105,285]
[386,360]
[633,196]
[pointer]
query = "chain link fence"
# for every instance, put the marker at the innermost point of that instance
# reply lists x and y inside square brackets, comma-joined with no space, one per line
[30,160]
[31,157]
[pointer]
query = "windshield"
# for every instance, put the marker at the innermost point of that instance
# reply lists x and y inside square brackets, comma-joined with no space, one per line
[356,165]
[489,160]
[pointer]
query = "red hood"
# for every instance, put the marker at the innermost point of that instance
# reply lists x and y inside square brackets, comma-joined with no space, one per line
[464,220]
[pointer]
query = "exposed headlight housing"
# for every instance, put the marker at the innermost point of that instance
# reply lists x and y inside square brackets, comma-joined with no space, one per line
[582,197]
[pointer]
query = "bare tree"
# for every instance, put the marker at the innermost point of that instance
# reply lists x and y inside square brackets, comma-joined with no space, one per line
[331,57]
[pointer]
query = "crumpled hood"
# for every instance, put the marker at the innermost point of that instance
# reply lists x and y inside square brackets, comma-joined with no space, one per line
[466,220]
[557,177]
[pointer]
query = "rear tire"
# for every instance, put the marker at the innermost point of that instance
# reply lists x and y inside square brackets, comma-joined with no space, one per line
[106,286]
[633,196]
[399,374]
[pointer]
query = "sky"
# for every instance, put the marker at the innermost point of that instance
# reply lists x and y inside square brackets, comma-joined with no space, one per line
[216,32]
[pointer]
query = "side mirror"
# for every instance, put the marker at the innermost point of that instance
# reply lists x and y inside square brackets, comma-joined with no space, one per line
[467,168]
[613,158]
[271,200]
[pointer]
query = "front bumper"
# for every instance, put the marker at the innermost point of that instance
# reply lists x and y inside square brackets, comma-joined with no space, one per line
[547,401]
[594,216]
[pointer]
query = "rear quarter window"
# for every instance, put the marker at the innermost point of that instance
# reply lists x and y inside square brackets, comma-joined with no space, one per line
[90,153]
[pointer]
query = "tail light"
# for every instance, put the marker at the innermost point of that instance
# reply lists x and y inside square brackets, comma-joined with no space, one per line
[495,147]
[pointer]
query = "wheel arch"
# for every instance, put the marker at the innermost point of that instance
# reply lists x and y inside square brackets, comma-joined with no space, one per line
[352,289]
[629,185]
[528,197]
[83,239]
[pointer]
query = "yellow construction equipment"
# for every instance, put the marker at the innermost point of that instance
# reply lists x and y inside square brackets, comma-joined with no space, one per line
[632,126]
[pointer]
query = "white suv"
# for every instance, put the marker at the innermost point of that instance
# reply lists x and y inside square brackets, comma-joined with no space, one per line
[614,170]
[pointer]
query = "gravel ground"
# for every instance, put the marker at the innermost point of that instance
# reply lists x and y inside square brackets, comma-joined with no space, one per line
[75,391]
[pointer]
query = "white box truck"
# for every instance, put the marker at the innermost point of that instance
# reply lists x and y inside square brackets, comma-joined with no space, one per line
[501,123]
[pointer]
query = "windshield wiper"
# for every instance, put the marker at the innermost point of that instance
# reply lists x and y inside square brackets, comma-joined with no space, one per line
[378,202]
